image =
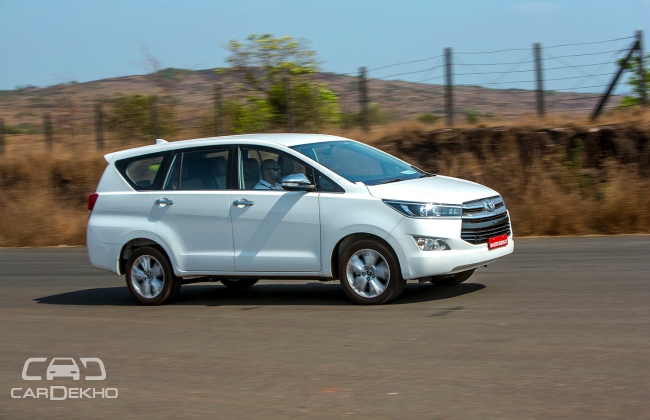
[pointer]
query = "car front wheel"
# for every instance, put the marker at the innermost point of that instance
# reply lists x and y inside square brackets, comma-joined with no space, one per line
[149,276]
[369,273]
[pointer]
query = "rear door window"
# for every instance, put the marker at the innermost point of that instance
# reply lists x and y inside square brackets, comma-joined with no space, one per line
[199,170]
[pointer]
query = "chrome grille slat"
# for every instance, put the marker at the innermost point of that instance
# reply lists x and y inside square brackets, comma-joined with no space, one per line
[486,219]
[482,237]
[479,225]
[479,236]
[484,232]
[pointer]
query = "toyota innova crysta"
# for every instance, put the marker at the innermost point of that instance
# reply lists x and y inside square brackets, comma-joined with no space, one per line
[287,206]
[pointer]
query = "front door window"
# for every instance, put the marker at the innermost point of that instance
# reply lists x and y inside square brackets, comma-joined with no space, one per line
[263,169]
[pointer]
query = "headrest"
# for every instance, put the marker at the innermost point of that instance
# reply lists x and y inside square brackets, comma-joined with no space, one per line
[251,169]
[221,165]
[205,166]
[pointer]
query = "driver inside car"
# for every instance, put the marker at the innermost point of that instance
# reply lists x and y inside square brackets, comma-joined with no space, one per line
[271,173]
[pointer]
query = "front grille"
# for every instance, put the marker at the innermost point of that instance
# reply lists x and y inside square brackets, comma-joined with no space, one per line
[480,224]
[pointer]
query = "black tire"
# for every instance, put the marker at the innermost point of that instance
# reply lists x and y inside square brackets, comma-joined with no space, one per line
[238,284]
[383,281]
[176,291]
[149,276]
[452,279]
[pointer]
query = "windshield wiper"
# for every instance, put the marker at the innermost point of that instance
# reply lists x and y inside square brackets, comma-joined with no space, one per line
[423,174]
[393,180]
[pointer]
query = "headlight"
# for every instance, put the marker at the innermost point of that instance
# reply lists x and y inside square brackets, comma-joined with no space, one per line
[425,210]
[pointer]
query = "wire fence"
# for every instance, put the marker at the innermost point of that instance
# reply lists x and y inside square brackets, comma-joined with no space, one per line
[568,79]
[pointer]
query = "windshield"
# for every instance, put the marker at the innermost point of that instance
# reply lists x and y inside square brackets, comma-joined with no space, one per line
[356,162]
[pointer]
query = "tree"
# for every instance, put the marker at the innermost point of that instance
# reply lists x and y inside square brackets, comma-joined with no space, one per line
[272,70]
[264,60]
[632,67]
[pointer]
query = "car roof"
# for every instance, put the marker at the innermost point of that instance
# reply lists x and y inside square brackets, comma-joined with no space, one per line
[283,139]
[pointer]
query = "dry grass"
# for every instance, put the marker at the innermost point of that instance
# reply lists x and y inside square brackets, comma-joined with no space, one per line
[45,197]
[563,201]
[554,193]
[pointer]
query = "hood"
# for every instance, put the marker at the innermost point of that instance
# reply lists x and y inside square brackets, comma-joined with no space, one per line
[435,189]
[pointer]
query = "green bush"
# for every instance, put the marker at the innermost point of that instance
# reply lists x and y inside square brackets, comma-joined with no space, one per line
[428,118]
[130,116]
[21,129]
[253,116]
[472,117]
[632,67]
[314,106]
[25,114]
[256,116]
[376,115]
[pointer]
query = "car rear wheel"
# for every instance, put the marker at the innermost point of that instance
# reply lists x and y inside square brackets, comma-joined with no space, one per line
[149,276]
[452,279]
[369,273]
[239,284]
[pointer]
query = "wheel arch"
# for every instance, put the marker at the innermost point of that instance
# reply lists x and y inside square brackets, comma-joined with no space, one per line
[348,240]
[134,244]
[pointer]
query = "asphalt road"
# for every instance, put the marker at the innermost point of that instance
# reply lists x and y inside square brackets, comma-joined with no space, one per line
[558,330]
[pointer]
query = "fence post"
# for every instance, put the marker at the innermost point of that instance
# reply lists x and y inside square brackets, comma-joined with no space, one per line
[154,117]
[449,97]
[289,101]
[218,110]
[2,137]
[363,99]
[623,64]
[642,86]
[537,47]
[99,126]
[47,130]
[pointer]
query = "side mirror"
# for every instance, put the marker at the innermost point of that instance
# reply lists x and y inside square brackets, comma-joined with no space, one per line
[297,182]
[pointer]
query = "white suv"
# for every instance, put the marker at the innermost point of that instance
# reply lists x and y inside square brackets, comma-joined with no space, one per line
[277,206]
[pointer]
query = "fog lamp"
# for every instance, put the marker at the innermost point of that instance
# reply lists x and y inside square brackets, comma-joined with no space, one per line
[432,244]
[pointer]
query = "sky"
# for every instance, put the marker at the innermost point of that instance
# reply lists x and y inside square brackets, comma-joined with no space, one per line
[56,41]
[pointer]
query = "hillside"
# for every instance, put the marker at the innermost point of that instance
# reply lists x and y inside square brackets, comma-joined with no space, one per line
[71,105]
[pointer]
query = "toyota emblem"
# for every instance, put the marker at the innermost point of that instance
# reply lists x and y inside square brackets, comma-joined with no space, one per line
[488,205]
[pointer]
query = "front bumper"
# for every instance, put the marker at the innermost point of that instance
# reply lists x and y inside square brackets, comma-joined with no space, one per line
[462,256]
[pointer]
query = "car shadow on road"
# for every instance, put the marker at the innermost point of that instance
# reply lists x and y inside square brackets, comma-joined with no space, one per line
[315,293]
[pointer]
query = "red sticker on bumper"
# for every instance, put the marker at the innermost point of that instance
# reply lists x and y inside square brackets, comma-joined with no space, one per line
[497,242]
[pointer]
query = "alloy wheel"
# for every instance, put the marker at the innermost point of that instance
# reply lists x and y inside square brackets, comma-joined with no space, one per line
[147,276]
[368,273]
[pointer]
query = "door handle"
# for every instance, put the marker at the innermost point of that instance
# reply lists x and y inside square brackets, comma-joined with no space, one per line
[162,202]
[242,202]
